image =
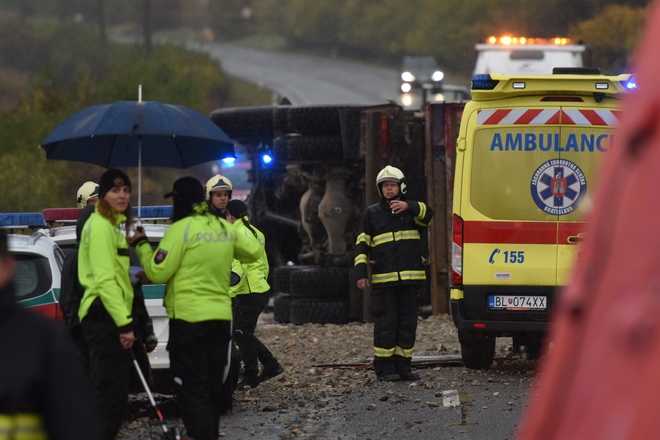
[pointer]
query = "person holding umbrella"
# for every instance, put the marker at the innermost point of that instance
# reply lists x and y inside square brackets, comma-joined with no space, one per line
[251,295]
[105,311]
[218,194]
[194,258]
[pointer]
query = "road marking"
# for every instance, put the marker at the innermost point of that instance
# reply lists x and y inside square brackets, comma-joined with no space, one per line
[450,398]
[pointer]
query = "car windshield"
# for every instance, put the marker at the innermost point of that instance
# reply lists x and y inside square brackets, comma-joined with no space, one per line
[32,277]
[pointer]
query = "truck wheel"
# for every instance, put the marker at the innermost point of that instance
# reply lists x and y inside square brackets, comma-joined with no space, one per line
[477,349]
[246,124]
[282,277]
[314,148]
[320,283]
[282,308]
[315,121]
[314,311]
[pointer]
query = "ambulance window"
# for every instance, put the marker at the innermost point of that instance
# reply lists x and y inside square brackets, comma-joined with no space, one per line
[526,55]
[504,161]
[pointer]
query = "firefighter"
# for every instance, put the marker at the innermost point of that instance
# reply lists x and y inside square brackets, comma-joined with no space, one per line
[88,194]
[194,258]
[105,311]
[251,295]
[218,194]
[389,235]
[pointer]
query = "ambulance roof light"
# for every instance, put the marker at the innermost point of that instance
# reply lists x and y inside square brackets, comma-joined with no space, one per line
[483,82]
[630,84]
[508,40]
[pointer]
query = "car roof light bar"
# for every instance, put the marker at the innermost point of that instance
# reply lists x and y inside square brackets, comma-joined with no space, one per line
[22,220]
[154,212]
[484,82]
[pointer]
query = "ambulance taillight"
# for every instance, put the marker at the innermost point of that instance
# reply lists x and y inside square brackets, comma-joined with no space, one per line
[457,251]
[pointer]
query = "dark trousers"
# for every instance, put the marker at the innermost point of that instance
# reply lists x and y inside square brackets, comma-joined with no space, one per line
[110,368]
[199,355]
[247,308]
[395,312]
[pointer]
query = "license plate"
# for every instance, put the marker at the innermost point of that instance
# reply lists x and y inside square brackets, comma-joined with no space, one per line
[511,302]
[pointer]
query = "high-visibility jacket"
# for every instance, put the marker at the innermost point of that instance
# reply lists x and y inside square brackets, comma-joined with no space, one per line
[194,258]
[253,275]
[103,269]
[392,241]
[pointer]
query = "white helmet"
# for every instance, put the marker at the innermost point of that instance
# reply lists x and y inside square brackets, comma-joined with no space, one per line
[87,191]
[218,183]
[391,174]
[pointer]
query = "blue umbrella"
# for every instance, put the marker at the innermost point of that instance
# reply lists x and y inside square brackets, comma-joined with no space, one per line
[136,133]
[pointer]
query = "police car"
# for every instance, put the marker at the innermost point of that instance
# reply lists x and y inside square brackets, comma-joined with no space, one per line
[64,235]
[526,163]
[39,263]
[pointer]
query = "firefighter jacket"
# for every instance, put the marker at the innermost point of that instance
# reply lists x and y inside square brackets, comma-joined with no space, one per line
[44,392]
[253,275]
[194,258]
[392,242]
[103,269]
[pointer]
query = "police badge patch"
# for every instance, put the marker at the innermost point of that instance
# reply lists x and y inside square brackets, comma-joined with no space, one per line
[160,256]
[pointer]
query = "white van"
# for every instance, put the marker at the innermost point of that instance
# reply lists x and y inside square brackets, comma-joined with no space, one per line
[520,55]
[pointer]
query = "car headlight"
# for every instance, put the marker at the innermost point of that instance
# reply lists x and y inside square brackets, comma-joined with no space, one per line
[437,76]
[407,76]
[405,87]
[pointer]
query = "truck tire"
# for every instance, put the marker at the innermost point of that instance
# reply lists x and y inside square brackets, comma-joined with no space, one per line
[314,148]
[314,311]
[279,149]
[315,120]
[282,276]
[477,349]
[253,124]
[282,308]
[320,283]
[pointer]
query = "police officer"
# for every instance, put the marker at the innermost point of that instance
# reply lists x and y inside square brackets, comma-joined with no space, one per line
[251,295]
[389,234]
[105,311]
[218,194]
[194,258]
[88,194]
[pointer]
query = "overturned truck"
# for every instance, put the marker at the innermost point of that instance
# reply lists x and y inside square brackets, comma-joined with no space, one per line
[319,176]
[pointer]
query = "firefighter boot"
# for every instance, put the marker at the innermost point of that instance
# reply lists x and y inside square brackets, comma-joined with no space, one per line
[404,369]
[385,370]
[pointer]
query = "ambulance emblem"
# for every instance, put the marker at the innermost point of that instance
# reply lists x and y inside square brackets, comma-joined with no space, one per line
[558,186]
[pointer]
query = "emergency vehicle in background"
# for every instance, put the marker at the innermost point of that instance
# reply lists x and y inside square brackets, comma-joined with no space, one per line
[526,166]
[520,55]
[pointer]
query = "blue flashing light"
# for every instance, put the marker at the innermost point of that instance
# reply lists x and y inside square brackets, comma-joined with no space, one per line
[630,84]
[229,161]
[22,220]
[154,212]
[266,158]
[483,82]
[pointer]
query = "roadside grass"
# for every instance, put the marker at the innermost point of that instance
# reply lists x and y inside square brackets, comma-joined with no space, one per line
[245,94]
[269,42]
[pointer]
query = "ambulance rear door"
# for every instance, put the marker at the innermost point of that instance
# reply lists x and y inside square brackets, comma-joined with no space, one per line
[586,135]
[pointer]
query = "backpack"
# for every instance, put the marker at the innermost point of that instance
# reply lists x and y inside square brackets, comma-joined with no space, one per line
[71,291]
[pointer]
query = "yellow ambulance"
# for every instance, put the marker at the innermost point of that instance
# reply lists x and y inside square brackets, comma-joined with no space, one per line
[526,165]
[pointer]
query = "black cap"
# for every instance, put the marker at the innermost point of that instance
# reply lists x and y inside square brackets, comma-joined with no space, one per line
[112,178]
[187,188]
[236,208]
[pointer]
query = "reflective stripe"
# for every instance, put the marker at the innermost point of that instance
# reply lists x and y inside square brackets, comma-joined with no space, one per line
[363,238]
[408,275]
[22,427]
[410,234]
[382,238]
[360,259]
[383,352]
[456,294]
[422,211]
[405,352]
[378,278]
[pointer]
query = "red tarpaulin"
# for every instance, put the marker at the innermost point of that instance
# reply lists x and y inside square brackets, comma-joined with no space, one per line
[601,380]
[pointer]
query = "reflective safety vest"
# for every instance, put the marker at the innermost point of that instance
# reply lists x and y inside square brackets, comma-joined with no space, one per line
[22,427]
[253,275]
[392,242]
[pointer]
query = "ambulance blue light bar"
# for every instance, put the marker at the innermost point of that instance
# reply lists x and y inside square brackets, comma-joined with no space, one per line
[630,84]
[154,212]
[22,220]
[484,82]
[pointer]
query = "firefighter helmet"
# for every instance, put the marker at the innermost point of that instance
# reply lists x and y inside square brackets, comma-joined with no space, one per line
[391,174]
[87,191]
[218,183]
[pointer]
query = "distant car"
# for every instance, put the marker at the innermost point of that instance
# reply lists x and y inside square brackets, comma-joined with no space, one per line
[416,71]
[38,272]
[65,237]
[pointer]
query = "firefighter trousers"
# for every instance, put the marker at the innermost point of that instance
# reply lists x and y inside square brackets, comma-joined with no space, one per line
[395,312]
[199,353]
